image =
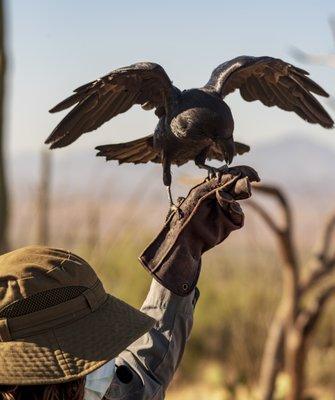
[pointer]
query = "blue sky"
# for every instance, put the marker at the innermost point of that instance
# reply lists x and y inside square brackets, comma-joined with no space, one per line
[55,46]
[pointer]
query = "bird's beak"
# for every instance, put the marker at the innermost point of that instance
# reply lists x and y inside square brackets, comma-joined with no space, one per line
[228,149]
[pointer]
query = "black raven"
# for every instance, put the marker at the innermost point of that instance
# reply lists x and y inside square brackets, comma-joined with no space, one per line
[193,124]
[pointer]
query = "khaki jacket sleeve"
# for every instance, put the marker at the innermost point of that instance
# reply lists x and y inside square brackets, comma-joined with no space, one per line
[146,367]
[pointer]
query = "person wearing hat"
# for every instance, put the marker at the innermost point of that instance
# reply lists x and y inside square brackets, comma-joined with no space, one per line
[63,337]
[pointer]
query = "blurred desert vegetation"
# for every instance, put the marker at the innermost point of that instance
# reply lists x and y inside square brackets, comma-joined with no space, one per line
[108,215]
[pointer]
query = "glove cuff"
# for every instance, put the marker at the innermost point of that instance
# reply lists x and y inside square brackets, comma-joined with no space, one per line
[178,270]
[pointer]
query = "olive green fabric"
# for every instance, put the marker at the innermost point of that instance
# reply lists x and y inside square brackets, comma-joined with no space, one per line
[57,323]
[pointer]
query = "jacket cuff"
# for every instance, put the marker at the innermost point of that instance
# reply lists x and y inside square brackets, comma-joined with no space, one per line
[168,302]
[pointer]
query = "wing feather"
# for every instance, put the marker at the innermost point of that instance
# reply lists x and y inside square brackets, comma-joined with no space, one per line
[98,101]
[275,83]
[263,91]
[246,93]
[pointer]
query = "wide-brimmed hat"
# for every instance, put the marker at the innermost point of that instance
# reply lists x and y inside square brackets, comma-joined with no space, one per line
[57,323]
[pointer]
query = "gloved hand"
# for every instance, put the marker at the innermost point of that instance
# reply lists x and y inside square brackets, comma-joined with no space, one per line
[209,213]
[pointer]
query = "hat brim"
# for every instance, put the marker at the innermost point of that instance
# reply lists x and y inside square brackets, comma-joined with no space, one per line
[72,351]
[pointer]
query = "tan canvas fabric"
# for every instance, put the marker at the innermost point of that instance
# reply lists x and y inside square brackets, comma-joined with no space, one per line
[57,323]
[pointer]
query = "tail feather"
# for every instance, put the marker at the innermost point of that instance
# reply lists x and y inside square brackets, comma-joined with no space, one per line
[215,152]
[241,148]
[137,151]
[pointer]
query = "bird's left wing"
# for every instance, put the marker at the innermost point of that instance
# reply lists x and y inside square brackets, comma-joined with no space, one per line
[275,83]
[96,102]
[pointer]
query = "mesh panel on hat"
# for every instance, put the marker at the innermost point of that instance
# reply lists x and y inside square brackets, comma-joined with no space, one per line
[41,301]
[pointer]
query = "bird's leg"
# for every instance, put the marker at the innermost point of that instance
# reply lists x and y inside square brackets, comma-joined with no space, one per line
[167,179]
[168,188]
[173,206]
[213,171]
[200,161]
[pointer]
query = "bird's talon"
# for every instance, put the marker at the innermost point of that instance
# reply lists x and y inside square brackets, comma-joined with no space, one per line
[224,169]
[211,173]
[174,208]
[219,175]
[180,200]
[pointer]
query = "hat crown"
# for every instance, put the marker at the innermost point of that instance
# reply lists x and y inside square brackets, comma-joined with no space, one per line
[44,276]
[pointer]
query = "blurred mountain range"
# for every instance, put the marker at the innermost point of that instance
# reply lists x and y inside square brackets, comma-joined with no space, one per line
[296,163]
[87,189]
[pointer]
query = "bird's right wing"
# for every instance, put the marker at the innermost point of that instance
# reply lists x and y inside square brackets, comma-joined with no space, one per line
[96,102]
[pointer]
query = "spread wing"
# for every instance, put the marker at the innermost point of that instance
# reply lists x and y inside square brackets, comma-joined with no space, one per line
[96,102]
[273,82]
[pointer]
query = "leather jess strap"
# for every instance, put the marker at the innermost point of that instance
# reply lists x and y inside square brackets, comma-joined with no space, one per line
[67,312]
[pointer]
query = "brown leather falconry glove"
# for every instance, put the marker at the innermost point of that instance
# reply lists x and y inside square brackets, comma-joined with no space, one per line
[210,212]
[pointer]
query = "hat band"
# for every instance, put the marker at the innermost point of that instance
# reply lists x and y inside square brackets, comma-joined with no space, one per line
[60,314]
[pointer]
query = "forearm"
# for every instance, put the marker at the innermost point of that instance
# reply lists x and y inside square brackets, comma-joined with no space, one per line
[210,212]
[155,357]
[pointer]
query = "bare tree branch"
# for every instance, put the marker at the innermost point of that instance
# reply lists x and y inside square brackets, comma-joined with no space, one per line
[285,234]
[327,238]
[273,355]
[308,317]
[288,308]
[325,262]
[266,216]
[281,199]
[316,274]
